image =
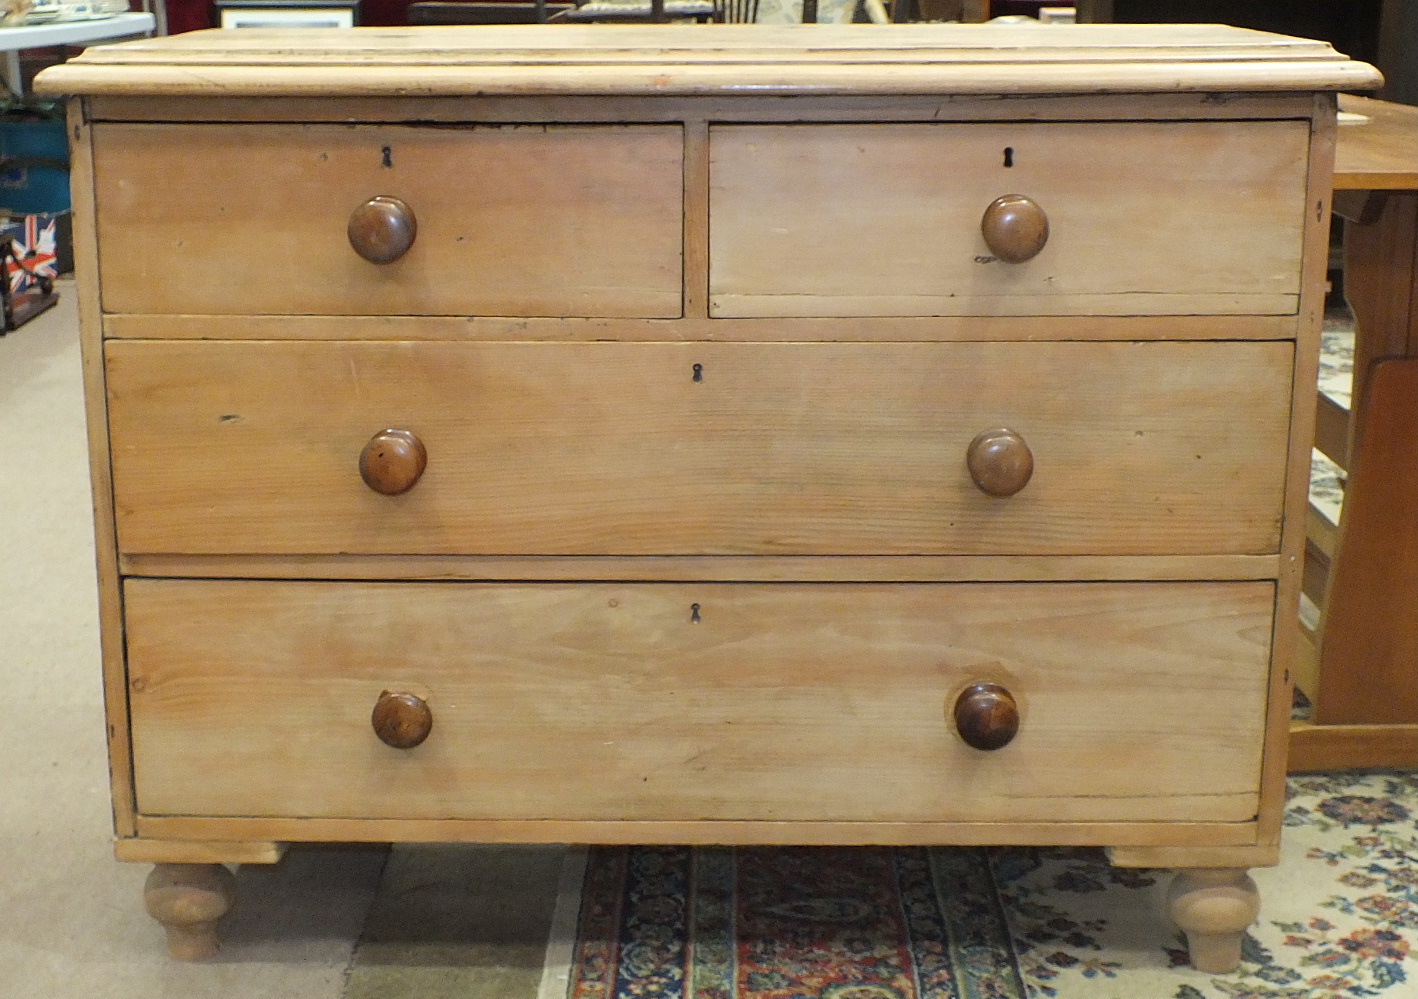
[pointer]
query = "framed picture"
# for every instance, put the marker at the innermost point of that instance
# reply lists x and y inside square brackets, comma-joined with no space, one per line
[288,13]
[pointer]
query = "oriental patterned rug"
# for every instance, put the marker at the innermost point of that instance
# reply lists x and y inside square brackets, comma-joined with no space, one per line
[1339,918]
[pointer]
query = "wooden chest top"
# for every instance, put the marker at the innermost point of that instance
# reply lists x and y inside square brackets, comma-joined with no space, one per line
[711,59]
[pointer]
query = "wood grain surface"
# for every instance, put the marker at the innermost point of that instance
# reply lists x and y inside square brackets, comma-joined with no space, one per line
[700,327]
[110,593]
[885,220]
[775,449]
[1286,642]
[1379,152]
[663,59]
[745,833]
[714,568]
[1369,616]
[512,221]
[707,701]
[740,107]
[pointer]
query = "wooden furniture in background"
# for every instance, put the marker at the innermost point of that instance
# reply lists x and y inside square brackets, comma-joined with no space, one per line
[1397,55]
[965,11]
[445,12]
[1360,666]
[695,456]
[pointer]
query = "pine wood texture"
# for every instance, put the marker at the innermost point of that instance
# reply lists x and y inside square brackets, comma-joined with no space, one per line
[189,899]
[189,851]
[617,449]
[699,327]
[512,221]
[1214,907]
[1349,747]
[710,59]
[1364,676]
[1215,855]
[1381,283]
[706,832]
[736,107]
[1286,641]
[110,594]
[712,701]
[886,220]
[695,329]
[712,568]
[1369,642]
[1379,153]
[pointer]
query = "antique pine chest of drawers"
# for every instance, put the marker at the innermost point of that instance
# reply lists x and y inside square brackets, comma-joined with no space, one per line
[702,434]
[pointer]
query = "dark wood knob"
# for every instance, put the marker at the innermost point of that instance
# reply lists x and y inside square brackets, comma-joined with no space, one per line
[986,716]
[392,462]
[1000,462]
[401,720]
[1015,228]
[382,229]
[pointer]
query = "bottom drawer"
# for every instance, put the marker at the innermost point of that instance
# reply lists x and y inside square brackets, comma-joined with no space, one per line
[1137,701]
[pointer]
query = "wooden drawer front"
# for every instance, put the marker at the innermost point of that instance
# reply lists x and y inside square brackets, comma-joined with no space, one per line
[616,449]
[1145,218]
[511,221]
[1138,701]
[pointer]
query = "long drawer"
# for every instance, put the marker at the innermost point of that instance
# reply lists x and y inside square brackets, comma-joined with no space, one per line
[507,221]
[1136,701]
[697,448]
[1142,218]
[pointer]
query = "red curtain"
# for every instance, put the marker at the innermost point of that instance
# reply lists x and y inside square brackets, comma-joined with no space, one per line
[189,15]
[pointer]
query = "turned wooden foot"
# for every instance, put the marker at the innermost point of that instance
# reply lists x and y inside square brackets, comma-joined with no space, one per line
[188,899]
[1214,907]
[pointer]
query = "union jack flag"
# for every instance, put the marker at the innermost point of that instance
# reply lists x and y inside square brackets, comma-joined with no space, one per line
[35,245]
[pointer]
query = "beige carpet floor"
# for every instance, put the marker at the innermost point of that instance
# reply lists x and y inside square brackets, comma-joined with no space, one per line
[71,918]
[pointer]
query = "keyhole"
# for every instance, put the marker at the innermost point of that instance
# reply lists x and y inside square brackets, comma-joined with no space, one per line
[389,156]
[699,377]
[693,613]
[1009,156]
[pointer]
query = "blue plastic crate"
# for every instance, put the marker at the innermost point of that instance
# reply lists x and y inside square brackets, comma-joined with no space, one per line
[34,167]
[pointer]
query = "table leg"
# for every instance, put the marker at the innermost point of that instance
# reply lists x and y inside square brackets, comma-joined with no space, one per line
[1369,644]
[13,79]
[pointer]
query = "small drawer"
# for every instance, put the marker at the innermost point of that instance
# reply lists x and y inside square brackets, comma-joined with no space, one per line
[1121,218]
[695,448]
[1134,702]
[390,220]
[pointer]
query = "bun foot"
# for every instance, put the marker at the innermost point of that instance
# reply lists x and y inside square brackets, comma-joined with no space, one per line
[188,899]
[1214,907]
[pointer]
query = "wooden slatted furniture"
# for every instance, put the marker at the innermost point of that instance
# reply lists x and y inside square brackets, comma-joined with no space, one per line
[700,435]
[1360,667]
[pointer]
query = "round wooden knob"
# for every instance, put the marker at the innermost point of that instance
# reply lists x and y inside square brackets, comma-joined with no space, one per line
[1000,462]
[401,720]
[392,462]
[986,716]
[382,229]
[1015,228]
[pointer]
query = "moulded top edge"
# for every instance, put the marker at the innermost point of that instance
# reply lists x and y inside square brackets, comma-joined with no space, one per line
[690,59]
